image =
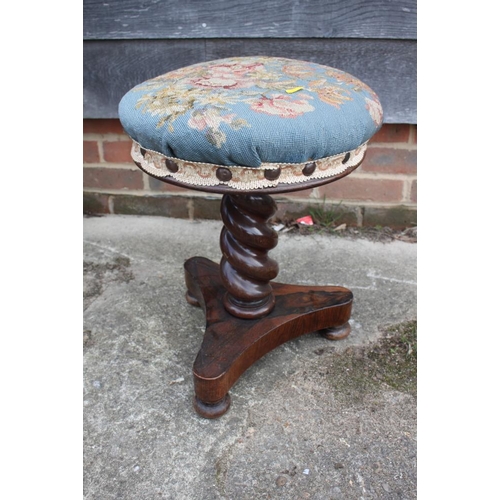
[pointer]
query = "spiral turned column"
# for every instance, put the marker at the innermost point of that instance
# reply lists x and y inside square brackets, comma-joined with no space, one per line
[245,267]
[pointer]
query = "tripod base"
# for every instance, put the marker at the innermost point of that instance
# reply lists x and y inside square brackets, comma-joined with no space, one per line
[231,344]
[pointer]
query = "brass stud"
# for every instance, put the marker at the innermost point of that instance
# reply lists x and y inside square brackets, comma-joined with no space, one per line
[309,168]
[171,165]
[223,174]
[272,175]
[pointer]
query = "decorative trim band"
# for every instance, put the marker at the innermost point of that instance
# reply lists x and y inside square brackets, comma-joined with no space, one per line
[268,175]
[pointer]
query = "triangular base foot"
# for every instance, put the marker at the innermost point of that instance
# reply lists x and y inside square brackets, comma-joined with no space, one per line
[231,344]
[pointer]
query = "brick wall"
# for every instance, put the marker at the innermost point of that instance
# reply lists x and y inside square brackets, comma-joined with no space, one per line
[382,191]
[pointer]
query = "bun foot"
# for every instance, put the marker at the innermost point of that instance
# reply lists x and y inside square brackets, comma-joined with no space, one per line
[337,333]
[212,410]
[191,299]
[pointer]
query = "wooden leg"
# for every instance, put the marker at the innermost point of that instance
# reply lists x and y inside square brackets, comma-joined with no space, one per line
[231,344]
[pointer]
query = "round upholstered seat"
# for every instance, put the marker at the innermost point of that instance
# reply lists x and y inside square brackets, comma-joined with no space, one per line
[250,123]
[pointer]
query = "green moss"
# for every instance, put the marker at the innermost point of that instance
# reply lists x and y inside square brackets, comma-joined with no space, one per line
[391,361]
[95,203]
[399,217]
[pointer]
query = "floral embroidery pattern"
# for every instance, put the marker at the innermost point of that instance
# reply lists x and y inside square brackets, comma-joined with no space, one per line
[236,75]
[208,94]
[282,105]
[333,95]
[209,120]
[375,110]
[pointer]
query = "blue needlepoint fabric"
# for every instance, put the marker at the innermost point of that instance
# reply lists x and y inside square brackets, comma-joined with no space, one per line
[249,110]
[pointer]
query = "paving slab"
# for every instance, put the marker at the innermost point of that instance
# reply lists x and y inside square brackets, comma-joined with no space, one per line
[288,434]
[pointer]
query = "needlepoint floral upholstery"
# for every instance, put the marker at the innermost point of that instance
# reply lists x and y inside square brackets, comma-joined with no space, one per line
[238,121]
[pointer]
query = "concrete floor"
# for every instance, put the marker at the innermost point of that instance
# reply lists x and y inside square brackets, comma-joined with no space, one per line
[288,434]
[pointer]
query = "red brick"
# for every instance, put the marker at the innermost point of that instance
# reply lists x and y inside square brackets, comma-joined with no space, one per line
[112,178]
[117,151]
[102,127]
[90,152]
[413,192]
[389,161]
[414,135]
[392,133]
[160,186]
[303,193]
[355,189]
